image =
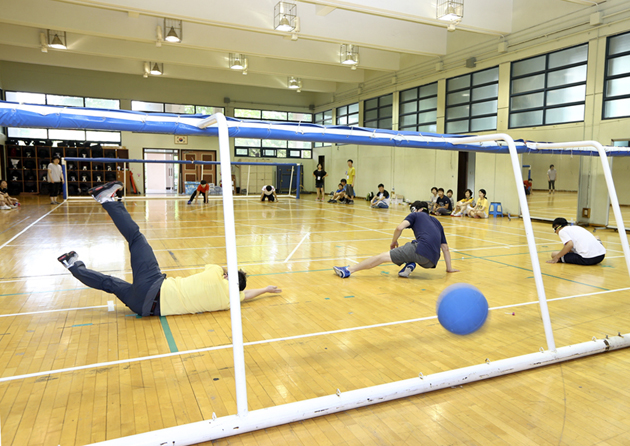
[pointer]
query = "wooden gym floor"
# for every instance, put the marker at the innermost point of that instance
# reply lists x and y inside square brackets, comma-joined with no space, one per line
[51,326]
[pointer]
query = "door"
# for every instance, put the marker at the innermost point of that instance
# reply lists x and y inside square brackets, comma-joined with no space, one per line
[194,173]
[159,178]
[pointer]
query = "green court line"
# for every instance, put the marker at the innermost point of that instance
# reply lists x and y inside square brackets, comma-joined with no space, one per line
[81,325]
[50,291]
[531,271]
[169,335]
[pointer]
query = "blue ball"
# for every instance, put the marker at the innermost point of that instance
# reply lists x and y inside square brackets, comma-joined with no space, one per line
[462,309]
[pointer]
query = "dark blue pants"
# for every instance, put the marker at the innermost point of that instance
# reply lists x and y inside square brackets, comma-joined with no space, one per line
[139,296]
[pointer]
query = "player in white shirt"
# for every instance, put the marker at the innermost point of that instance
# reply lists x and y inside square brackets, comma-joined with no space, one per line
[269,193]
[580,246]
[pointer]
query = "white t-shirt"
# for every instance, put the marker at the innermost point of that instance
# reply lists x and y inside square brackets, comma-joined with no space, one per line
[268,192]
[55,173]
[552,174]
[584,243]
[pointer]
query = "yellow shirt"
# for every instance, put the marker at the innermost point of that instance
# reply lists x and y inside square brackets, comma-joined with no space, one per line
[482,205]
[350,176]
[205,291]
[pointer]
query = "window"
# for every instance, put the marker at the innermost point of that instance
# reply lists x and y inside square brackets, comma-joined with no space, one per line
[549,89]
[153,107]
[472,102]
[348,114]
[378,112]
[323,118]
[272,148]
[617,77]
[418,109]
[63,101]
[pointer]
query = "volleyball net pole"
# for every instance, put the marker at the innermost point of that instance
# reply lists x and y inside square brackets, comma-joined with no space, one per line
[527,222]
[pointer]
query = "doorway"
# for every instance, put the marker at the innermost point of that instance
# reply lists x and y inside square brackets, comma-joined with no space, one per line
[160,178]
[194,173]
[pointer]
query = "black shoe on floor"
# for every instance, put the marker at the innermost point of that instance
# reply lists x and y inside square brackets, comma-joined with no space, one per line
[68,259]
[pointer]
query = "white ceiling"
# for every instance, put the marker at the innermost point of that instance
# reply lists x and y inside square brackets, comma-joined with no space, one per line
[120,35]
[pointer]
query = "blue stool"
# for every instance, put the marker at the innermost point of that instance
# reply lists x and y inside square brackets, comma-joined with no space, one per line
[495,209]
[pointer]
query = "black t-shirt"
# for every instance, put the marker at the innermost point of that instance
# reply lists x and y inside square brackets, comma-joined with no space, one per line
[446,202]
[4,191]
[429,234]
[319,176]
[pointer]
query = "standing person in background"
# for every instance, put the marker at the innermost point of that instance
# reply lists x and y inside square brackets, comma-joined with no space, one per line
[350,177]
[55,178]
[319,175]
[551,177]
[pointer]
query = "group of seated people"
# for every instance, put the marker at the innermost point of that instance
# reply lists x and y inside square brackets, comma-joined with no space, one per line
[445,204]
[343,194]
[7,202]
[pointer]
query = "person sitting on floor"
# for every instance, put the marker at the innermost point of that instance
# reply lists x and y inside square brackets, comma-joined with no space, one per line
[580,246]
[381,200]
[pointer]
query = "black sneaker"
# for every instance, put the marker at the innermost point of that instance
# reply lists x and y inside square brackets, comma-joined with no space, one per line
[105,192]
[68,259]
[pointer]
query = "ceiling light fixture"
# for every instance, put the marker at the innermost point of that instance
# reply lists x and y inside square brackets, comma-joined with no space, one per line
[349,54]
[450,10]
[237,61]
[284,16]
[57,40]
[294,83]
[174,27]
[157,69]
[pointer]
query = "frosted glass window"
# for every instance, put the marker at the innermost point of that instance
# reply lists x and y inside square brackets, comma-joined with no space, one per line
[409,120]
[102,136]
[457,126]
[458,82]
[241,152]
[482,124]
[303,117]
[247,142]
[26,98]
[371,115]
[463,111]
[72,135]
[573,113]
[371,103]
[568,57]
[432,128]
[618,87]
[353,108]
[385,123]
[274,143]
[245,113]
[386,112]
[533,100]
[487,92]
[527,119]
[567,76]
[20,132]
[342,120]
[299,144]
[269,153]
[408,107]
[206,110]
[388,99]
[428,90]
[67,101]
[427,117]
[528,66]
[486,76]
[147,106]
[619,44]
[484,108]
[409,95]
[427,104]
[566,95]
[274,115]
[108,104]
[458,98]
[612,109]
[530,83]
[179,109]
[619,65]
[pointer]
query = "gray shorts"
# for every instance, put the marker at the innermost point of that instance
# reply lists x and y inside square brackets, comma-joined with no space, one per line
[408,254]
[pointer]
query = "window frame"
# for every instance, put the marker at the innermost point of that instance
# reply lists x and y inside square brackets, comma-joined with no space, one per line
[546,89]
[470,88]
[348,114]
[607,78]
[379,108]
[418,111]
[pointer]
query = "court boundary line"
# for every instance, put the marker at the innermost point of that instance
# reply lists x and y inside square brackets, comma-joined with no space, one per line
[30,226]
[274,340]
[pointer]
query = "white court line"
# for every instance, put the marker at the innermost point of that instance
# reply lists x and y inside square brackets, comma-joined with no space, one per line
[52,311]
[296,248]
[269,341]
[29,226]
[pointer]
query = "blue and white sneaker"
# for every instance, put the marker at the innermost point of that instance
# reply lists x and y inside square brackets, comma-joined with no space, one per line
[407,269]
[342,271]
